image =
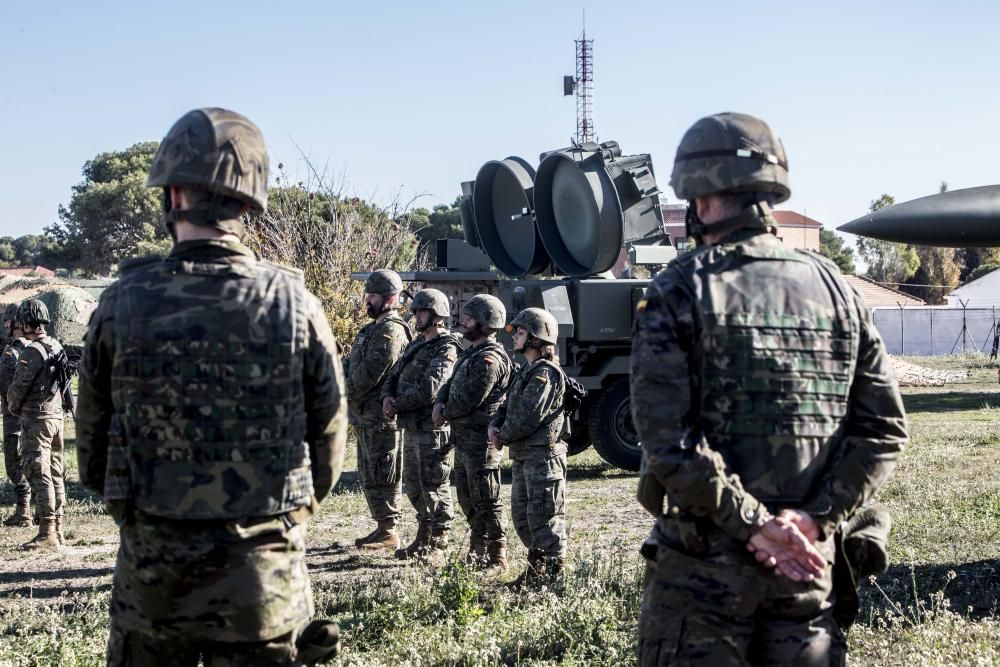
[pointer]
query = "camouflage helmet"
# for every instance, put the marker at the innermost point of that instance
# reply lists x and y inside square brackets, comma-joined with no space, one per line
[384,282]
[216,150]
[487,310]
[539,323]
[730,152]
[433,300]
[10,313]
[33,310]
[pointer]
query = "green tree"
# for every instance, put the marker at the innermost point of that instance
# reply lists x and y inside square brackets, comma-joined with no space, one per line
[833,247]
[111,215]
[887,262]
[937,275]
[982,270]
[443,222]
[8,255]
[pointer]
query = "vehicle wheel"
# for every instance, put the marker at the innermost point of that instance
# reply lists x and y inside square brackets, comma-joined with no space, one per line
[611,429]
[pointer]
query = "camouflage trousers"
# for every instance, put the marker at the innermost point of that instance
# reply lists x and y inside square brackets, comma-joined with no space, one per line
[41,446]
[200,582]
[477,484]
[380,471]
[127,648]
[696,612]
[426,473]
[538,503]
[12,456]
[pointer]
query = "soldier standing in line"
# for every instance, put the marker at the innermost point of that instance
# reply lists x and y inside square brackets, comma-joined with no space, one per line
[410,391]
[11,424]
[35,396]
[768,412]
[212,419]
[468,402]
[531,424]
[376,348]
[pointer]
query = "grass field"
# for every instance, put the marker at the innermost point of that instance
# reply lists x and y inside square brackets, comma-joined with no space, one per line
[937,604]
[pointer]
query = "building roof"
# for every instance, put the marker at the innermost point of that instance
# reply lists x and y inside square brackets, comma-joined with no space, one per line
[877,295]
[29,271]
[793,219]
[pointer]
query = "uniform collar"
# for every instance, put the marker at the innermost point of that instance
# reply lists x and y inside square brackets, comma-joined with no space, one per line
[210,248]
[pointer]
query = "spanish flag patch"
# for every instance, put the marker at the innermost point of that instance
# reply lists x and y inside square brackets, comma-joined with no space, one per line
[641,306]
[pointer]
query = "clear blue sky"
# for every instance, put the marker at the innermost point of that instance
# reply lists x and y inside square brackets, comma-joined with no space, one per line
[412,98]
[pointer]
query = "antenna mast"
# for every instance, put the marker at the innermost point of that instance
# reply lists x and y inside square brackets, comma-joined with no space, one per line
[585,87]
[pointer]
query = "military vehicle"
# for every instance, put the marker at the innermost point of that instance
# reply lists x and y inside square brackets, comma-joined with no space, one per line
[957,218]
[550,238]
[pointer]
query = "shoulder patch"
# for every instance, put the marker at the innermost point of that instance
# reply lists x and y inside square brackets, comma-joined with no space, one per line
[541,378]
[387,336]
[641,306]
[488,359]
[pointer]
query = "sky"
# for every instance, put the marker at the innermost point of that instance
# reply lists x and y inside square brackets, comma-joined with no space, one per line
[401,101]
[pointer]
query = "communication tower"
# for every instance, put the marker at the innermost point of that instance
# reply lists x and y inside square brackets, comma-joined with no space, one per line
[582,85]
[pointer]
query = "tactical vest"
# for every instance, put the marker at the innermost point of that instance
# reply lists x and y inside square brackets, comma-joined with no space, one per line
[778,351]
[207,378]
[415,362]
[40,400]
[482,415]
[550,428]
[367,407]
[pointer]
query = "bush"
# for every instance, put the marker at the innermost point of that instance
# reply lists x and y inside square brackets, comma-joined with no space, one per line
[312,226]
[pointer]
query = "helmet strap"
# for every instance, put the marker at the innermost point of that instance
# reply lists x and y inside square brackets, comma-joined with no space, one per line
[218,210]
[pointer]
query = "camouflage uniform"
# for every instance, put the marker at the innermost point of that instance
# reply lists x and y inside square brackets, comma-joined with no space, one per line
[414,381]
[12,432]
[212,419]
[40,411]
[530,424]
[472,397]
[759,382]
[376,348]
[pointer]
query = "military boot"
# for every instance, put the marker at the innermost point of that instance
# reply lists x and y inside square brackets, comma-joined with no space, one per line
[477,551]
[366,538]
[318,643]
[436,543]
[496,558]
[46,538]
[59,531]
[532,573]
[418,544]
[555,566]
[383,537]
[22,514]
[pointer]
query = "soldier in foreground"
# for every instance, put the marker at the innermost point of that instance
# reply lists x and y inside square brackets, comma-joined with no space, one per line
[212,419]
[35,397]
[11,424]
[531,424]
[768,413]
[410,392]
[468,402]
[376,348]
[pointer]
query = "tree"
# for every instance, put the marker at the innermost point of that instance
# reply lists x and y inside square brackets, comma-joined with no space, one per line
[111,215]
[887,262]
[937,275]
[444,222]
[833,247]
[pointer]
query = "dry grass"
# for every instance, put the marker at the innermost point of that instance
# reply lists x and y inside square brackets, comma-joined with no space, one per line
[937,605]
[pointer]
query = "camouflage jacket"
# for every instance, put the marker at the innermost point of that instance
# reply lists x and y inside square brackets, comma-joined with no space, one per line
[476,391]
[210,364]
[759,380]
[416,379]
[531,419]
[30,393]
[376,348]
[8,364]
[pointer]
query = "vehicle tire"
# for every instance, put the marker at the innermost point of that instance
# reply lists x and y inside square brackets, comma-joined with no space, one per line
[611,429]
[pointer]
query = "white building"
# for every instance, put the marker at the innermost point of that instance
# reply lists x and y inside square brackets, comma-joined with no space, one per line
[983,292]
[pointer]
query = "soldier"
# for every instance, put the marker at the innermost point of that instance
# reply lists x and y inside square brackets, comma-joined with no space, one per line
[11,424]
[410,392]
[768,412]
[376,348]
[468,402]
[212,419]
[35,396]
[531,423]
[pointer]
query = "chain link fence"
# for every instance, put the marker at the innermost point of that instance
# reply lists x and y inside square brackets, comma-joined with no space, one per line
[929,331]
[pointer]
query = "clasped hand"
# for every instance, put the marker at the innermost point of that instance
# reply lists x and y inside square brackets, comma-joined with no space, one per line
[785,543]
